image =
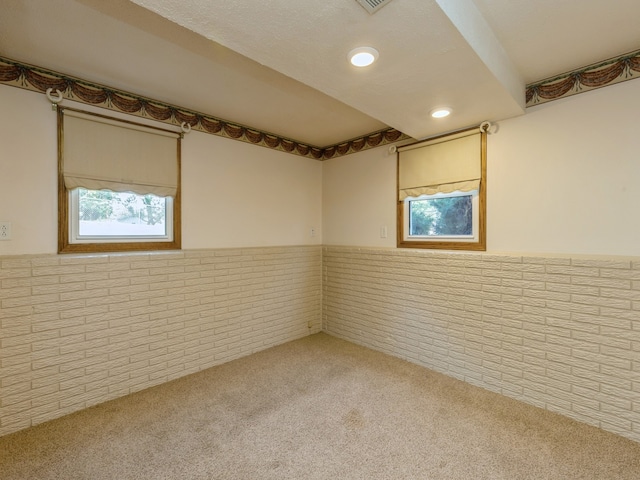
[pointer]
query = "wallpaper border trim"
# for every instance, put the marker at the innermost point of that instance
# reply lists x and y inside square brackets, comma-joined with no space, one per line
[609,72]
[37,79]
[615,70]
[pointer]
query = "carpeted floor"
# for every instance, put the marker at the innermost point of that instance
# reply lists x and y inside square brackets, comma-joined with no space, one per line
[316,408]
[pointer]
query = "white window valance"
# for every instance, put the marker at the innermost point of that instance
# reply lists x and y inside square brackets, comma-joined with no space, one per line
[441,165]
[106,153]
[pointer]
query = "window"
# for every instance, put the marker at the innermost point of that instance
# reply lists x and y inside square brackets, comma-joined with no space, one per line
[442,191]
[443,216]
[107,216]
[119,187]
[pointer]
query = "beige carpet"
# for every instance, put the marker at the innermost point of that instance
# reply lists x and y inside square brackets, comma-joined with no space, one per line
[317,408]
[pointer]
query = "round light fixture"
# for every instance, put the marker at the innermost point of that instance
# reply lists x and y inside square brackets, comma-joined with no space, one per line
[363,56]
[440,112]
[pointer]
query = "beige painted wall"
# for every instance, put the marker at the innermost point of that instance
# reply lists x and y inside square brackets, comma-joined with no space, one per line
[358,199]
[561,179]
[240,195]
[234,194]
[28,166]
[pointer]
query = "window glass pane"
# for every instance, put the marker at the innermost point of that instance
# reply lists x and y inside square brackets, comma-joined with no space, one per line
[441,216]
[107,213]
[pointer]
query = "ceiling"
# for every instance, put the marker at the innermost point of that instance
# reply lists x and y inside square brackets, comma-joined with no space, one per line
[281,66]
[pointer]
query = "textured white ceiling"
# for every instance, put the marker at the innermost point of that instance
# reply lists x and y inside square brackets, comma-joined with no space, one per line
[424,59]
[121,45]
[280,65]
[548,37]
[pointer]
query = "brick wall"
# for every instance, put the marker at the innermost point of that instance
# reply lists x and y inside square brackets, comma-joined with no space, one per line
[79,330]
[560,333]
[557,332]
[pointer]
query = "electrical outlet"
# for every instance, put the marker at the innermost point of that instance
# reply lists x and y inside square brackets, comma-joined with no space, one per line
[5,230]
[383,231]
[313,231]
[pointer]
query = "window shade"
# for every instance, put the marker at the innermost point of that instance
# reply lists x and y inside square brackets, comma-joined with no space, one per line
[441,165]
[101,153]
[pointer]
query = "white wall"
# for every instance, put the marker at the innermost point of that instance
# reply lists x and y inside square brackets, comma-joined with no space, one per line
[358,198]
[234,194]
[28,166]
[566,176]
[238,195]
[563,179]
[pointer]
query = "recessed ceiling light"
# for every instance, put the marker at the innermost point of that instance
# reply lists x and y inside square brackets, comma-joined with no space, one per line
[441,112]
[363,56]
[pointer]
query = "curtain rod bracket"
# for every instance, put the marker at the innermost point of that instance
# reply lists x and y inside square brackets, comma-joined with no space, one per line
[54,100]
[487,127]
[185,127]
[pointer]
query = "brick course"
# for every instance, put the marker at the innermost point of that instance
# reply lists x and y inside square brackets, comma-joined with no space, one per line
[557,332]
[79,330]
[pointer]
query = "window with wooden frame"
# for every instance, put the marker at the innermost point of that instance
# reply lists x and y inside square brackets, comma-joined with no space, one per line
[442,191]
[118,185]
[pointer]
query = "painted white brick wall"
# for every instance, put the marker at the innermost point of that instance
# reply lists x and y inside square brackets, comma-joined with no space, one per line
[80,330]
[557,332]
[560,333]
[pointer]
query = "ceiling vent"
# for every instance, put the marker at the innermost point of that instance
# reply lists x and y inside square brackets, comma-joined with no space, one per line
[372,6]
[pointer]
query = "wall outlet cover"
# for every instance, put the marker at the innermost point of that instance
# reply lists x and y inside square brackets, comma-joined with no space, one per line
[5,230]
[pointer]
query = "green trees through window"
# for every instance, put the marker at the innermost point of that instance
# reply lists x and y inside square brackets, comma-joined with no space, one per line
[441,216]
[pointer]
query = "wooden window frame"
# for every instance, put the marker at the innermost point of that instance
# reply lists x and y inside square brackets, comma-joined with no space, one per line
[64,244]
[481,243]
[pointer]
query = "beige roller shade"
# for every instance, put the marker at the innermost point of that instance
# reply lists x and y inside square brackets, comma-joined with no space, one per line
[442,165]
[104,153]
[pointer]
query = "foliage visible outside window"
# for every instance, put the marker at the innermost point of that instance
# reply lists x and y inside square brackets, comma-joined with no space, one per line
[442,191]
[115,214]
[441,216]
[118,184]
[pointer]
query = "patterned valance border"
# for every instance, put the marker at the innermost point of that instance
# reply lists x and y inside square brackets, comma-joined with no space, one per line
[598,75]
[615,70]
[37,79]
